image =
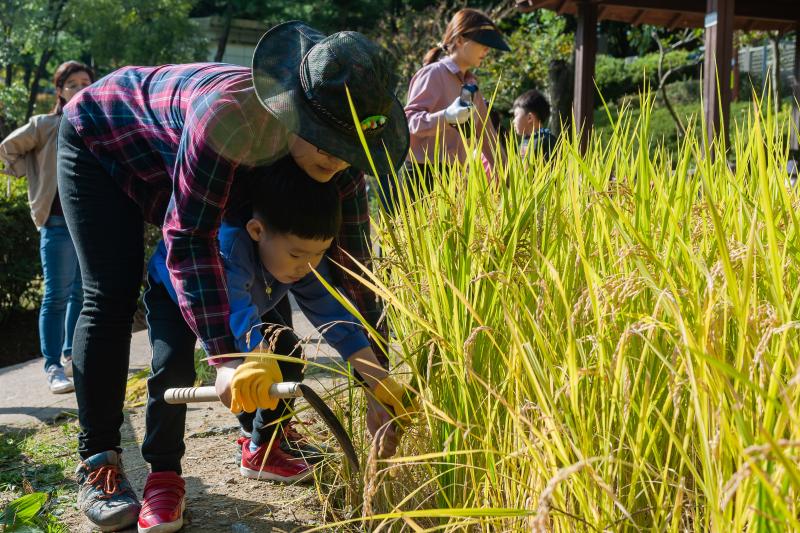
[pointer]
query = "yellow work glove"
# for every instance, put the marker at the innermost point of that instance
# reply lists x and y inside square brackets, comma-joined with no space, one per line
[251,382]
[398,397]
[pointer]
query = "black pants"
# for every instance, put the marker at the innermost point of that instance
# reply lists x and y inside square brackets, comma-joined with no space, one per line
[173,366]
[408,181]
[108,231]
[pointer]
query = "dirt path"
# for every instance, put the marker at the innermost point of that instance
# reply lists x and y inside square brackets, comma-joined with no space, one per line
[218,497]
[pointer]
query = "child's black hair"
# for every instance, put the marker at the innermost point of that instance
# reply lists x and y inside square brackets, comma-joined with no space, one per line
[287,200]
[534,102]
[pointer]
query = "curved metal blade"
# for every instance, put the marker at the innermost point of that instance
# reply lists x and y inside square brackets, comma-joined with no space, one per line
[333,424]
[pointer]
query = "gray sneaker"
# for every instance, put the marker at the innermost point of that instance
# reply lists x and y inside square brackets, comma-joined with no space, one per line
[66,362]
[105,496]
[57,381]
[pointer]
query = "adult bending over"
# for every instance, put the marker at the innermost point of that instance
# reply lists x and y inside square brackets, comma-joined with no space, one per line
[179,146]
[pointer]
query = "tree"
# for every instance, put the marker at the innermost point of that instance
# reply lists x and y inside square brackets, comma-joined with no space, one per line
[408,35]
[53,26]
[136,32]
[542,41]
[687,38]
[30,36]
[38,35]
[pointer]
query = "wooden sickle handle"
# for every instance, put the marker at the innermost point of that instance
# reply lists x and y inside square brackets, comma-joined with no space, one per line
[287,389]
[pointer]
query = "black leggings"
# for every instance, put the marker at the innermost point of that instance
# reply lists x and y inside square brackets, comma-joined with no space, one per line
[391,189]
[108,231]
[173,366]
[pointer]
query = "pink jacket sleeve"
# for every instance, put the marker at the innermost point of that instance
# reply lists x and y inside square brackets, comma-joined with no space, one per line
[424,110]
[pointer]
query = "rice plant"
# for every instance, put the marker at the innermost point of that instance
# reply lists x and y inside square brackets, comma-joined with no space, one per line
[604,342]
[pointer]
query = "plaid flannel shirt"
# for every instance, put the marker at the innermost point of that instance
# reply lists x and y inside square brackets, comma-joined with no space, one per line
[183,142]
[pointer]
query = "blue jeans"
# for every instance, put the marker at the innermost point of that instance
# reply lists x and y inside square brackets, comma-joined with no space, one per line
[63,294]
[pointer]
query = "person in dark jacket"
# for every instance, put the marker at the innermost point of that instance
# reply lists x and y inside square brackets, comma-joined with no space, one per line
[531,113]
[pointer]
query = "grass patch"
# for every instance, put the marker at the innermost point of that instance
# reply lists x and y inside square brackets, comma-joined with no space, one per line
[40,461]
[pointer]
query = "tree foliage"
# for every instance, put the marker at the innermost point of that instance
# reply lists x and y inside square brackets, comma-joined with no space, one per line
[38,35]
[136,32]
[541,38]
[616,77]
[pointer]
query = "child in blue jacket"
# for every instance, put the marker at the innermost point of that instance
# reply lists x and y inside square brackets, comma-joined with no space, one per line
[294,219]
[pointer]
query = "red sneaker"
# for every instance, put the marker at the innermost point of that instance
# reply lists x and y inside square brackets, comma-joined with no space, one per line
[272,464]
[297,445]
[163,503]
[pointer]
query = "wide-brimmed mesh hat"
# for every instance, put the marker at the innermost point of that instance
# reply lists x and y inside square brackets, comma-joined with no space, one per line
[300,76]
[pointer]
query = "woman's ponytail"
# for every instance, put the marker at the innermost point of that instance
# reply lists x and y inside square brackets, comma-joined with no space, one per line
[433,55]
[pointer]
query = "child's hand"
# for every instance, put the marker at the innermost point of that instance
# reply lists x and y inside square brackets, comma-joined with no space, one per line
[383,430]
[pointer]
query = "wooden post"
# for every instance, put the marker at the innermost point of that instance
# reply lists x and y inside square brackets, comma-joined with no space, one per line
[717,67]
[737,75]
[585,56]
[795,141]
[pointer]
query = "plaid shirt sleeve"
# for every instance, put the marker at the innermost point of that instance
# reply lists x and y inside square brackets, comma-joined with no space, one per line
[354,239]
[215,135]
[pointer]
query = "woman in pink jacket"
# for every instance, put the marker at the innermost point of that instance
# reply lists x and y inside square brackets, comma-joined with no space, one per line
[439,91]
[439,100]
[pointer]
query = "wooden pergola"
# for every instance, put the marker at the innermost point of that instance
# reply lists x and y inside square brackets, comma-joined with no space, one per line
[719,18]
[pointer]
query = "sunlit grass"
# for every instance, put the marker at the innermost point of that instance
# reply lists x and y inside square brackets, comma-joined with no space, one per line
[605,342]
[37,465]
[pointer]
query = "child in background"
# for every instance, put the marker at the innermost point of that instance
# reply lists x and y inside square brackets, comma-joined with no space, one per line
[293,223]
[531,112]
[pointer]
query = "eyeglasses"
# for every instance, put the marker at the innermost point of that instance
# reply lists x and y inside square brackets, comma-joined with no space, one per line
[323,152]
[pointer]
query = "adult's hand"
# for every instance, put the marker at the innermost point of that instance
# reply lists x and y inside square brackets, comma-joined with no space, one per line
[457,113]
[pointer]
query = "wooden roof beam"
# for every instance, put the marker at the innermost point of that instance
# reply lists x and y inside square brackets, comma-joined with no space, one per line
[673,21]
[764,10]
[638,18]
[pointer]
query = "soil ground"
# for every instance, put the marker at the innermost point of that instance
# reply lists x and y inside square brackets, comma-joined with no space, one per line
[38,433]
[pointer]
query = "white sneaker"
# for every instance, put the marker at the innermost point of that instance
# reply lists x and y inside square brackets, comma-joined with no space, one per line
[66,364]
[58,382]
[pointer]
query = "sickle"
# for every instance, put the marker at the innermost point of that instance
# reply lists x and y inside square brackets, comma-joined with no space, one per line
[287,389]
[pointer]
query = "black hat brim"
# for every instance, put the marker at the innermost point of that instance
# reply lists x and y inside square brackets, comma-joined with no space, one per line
[491,38]
[276,78]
